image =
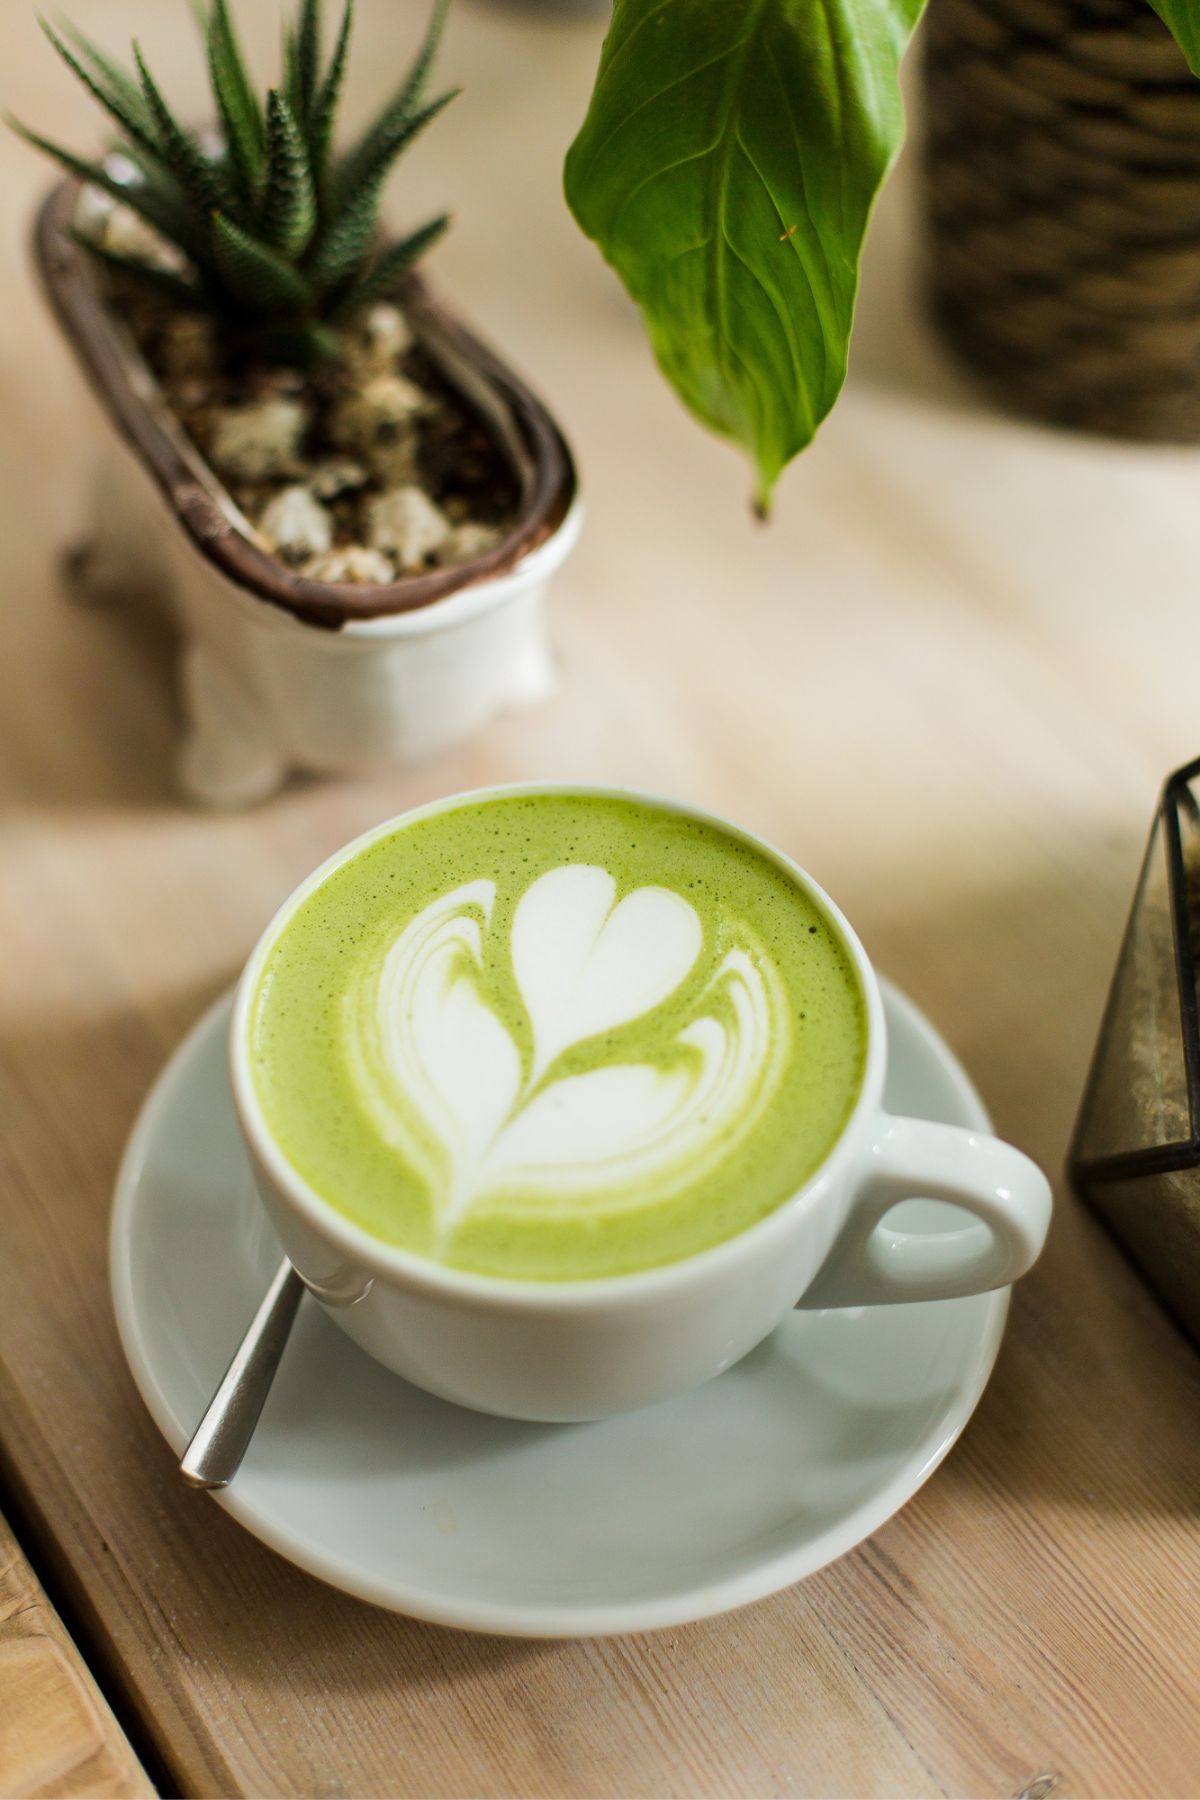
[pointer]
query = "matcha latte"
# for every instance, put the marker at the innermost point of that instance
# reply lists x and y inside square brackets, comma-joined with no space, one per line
[553,1036]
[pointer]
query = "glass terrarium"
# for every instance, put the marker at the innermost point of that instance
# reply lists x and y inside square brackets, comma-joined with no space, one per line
[1136,1153]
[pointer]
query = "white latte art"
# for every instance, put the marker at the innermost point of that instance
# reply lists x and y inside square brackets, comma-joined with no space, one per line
[481,1110]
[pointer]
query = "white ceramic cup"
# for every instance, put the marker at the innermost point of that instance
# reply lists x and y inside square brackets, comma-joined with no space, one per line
[583,1349]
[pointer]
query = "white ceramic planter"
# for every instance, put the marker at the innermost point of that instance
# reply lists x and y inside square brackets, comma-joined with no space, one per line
[265,694]
[279,674]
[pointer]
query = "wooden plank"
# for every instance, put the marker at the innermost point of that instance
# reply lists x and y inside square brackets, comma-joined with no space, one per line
[949,678]
[57,1733]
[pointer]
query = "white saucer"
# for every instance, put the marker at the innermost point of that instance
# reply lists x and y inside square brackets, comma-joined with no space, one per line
[656,1518]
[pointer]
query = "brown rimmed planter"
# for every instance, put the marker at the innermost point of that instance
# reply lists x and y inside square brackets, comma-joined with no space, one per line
[280,673]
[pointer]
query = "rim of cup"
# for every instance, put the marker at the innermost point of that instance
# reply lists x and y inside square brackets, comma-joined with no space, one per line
[399,1267]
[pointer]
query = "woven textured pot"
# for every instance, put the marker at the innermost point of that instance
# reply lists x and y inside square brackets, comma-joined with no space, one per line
[1063,170]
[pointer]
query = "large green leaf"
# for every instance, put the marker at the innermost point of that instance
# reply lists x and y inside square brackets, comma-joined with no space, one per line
[1182,17]
[727,168]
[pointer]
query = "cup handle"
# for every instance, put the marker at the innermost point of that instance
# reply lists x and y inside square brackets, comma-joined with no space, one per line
[872,1264]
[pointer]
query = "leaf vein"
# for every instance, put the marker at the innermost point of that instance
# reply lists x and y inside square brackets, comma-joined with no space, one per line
[656,175]
[660,94]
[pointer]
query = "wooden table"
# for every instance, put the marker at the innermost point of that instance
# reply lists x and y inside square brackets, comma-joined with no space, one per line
[57,1734]
[949,678]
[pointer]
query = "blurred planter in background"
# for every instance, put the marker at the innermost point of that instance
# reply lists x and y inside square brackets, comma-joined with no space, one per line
[347,506]
[1136,1153]
[1063,175]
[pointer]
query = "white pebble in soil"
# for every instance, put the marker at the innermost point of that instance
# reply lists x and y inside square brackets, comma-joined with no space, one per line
[296,525]
[405,524]
[382,407]
[353,563]
[469,540]
[255,442]
[338,476]
[386,335]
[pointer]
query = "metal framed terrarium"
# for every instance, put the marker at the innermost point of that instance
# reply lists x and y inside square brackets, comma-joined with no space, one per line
[1135,1157]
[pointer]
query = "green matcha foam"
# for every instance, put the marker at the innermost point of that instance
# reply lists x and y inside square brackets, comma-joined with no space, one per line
[557,1036]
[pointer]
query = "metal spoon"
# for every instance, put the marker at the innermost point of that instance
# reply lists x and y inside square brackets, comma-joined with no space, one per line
[220,1440]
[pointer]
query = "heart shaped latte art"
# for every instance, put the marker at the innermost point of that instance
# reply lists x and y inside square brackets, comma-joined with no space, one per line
[480,1115]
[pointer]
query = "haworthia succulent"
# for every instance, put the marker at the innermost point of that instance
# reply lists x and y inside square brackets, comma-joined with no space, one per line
[278,232]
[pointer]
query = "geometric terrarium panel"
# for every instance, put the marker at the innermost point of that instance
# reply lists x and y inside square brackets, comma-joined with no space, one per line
[1136,1152]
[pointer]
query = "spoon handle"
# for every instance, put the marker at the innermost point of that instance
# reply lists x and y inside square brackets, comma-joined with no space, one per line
[219,1442]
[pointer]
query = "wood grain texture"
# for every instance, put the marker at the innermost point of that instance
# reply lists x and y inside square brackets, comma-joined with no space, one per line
[948,678]
[58,1736]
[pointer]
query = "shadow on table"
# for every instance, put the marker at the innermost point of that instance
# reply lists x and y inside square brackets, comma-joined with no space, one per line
[1094,1398]
[92,704]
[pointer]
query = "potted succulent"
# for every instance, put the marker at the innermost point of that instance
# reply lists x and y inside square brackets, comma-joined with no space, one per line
[731,157]
[367,504]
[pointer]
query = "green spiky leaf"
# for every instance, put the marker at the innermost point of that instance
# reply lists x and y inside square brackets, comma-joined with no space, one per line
[240,114]
[324,108]
[176,287]
[385,277]
[132,116]
[346,240]
[121,85]
[308,58]
[177,147]
[372,159]
[258,279]
[174,215]
[291,68]
[289,213]
[373,150]
[138,197]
